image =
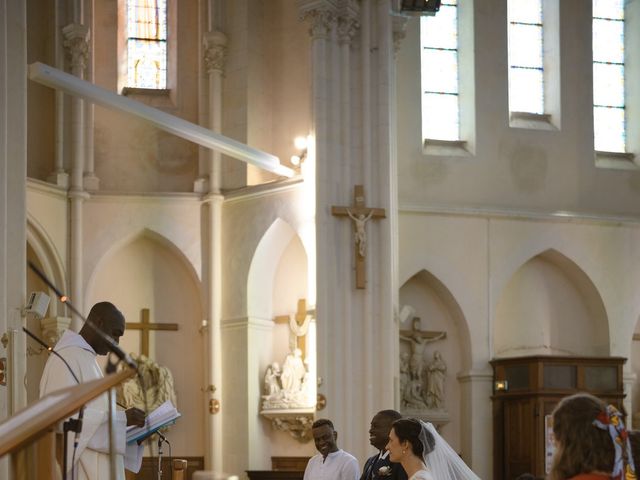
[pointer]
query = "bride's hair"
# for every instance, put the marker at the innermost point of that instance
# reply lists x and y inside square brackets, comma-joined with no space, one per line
[410,429]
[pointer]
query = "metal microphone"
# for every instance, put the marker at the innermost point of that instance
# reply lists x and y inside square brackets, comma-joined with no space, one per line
[111,344]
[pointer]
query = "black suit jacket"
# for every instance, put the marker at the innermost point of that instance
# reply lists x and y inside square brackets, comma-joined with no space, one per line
[372,465]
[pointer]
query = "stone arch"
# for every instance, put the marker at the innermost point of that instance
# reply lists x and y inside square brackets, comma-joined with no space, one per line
[48,259]
[439,310]
[146,271]
[264,265]
[155,237]
[550,306]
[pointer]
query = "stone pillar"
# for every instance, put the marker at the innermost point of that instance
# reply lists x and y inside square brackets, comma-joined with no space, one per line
[354,325]
[476,387]
[214,57]
[13,173]
[77,49]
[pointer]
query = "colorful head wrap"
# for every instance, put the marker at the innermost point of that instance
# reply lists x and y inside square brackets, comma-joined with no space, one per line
[611,421]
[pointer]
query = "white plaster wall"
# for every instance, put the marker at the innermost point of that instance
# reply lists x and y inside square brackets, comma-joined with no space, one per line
[146,274]
[543,311]
[476,256]
[245,220]
[133,155]
[111,221]
[512,168]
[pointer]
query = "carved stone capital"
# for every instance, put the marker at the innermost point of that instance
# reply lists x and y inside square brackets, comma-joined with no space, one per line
[53,328]
[399,29]
[76,44]
[348,23]
[347,28]
[321,14]
[215,51]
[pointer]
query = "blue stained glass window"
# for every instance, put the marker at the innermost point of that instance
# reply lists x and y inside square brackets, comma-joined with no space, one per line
[147,44]
[608,76]
[440,101]
[526,58]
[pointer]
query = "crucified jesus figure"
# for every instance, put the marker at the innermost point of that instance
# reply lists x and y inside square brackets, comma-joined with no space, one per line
[360,235]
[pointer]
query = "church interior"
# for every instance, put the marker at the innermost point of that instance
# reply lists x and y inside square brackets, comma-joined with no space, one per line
[325,208]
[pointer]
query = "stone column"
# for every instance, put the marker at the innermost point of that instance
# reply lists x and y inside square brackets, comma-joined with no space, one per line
[77,49]
[214,57]
[353,325]
[13,173]
[476,387]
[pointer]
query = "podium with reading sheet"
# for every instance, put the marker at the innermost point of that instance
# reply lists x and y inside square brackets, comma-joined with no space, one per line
[29,435]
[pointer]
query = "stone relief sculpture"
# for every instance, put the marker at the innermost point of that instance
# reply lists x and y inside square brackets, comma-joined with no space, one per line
[422,381]
[158,386]
[287,388]
[436,371]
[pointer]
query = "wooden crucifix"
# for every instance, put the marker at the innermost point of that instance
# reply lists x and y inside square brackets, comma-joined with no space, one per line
[298,325]
[145,326]
[360,215]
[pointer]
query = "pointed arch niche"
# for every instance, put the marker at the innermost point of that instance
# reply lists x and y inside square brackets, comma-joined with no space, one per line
[43,254]
[438,310]
[550,307]
[278,278]
[148,271]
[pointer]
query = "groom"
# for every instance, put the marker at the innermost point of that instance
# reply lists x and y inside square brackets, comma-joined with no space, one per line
[378,467]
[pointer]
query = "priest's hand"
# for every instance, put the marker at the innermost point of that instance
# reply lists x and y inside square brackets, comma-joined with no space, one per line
[135,416]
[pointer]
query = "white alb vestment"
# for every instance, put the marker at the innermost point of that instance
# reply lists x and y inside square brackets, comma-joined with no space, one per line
[92,454]
[338,465]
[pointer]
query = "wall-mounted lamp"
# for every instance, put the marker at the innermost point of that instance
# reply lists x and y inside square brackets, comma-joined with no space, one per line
[501,386]
[301,145]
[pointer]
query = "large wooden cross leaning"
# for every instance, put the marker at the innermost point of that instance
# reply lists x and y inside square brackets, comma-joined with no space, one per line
[145,326]
[300,316]
[360,215]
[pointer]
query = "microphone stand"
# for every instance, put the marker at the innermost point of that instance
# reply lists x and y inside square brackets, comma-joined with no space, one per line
[161,440]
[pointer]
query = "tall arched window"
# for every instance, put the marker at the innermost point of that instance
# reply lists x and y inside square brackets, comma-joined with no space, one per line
[526,59]
[440,95]
[147,44]
[609,122]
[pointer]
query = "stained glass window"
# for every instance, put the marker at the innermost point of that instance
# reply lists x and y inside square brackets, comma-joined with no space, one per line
[526,60]
[608,76]
[440,101]
[147,44]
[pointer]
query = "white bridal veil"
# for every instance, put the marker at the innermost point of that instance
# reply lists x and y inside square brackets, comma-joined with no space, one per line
[443,462]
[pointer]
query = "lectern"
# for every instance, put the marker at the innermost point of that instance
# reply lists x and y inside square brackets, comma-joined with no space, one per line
[29,435]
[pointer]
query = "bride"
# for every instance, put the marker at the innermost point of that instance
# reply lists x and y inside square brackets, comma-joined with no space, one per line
[424,454]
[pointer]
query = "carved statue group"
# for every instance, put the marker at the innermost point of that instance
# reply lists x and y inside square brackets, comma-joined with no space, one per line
[286,387]
[421,381]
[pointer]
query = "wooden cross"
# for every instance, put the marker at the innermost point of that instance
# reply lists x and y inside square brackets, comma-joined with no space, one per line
[359,214]
[145,326]
[300,317]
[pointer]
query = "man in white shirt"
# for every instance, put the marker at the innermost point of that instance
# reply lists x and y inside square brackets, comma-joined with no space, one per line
[79,351]
[331,463]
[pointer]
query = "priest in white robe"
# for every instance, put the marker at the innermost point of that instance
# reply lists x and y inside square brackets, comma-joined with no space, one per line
[80,351]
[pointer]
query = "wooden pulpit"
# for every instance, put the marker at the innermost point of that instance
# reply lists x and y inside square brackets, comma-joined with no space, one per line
[29,435]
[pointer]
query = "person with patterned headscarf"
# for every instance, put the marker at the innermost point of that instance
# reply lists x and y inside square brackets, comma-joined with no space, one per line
[592,442]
